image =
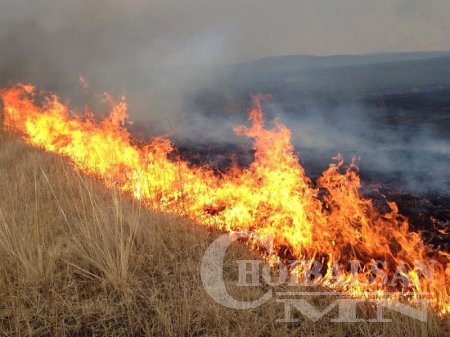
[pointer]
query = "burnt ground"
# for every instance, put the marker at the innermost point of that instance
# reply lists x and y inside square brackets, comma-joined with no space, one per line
[398,128]
[428,211]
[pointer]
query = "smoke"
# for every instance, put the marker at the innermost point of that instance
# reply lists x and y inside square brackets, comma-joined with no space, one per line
[117,40]
[164,54]
[135,48]
[410,156]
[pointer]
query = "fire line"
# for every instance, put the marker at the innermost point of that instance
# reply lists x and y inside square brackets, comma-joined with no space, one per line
[272,196]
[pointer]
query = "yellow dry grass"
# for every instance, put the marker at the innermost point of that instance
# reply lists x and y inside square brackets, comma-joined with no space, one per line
[77,259]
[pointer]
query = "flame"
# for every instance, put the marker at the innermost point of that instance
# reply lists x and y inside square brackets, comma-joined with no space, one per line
[326,220]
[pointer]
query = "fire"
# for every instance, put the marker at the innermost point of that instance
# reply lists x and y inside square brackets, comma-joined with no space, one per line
[326,220]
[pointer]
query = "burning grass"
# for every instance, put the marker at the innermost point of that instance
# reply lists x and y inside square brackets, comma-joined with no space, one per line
[80,259]
[83,259]
[327,219]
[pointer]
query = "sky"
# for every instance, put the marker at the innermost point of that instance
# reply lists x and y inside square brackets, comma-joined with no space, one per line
[216,31]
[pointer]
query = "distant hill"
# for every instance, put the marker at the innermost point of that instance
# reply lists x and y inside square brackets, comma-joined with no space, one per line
[347,73]
[291,62]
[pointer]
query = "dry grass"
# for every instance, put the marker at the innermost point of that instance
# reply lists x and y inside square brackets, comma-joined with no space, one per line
[78,259]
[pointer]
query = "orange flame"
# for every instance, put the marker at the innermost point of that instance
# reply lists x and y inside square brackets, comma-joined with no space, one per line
[272,196]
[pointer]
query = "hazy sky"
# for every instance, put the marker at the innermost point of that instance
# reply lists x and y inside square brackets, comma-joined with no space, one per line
[224,31]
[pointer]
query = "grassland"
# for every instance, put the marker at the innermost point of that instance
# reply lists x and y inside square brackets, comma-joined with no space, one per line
[78,259]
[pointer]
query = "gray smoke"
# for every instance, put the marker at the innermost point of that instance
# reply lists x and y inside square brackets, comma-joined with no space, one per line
[145,50]
[164,54]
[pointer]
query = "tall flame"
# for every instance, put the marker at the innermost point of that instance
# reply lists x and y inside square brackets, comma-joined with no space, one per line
[326,219]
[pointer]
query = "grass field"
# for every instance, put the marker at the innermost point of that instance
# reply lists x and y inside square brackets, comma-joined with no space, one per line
[77,259]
